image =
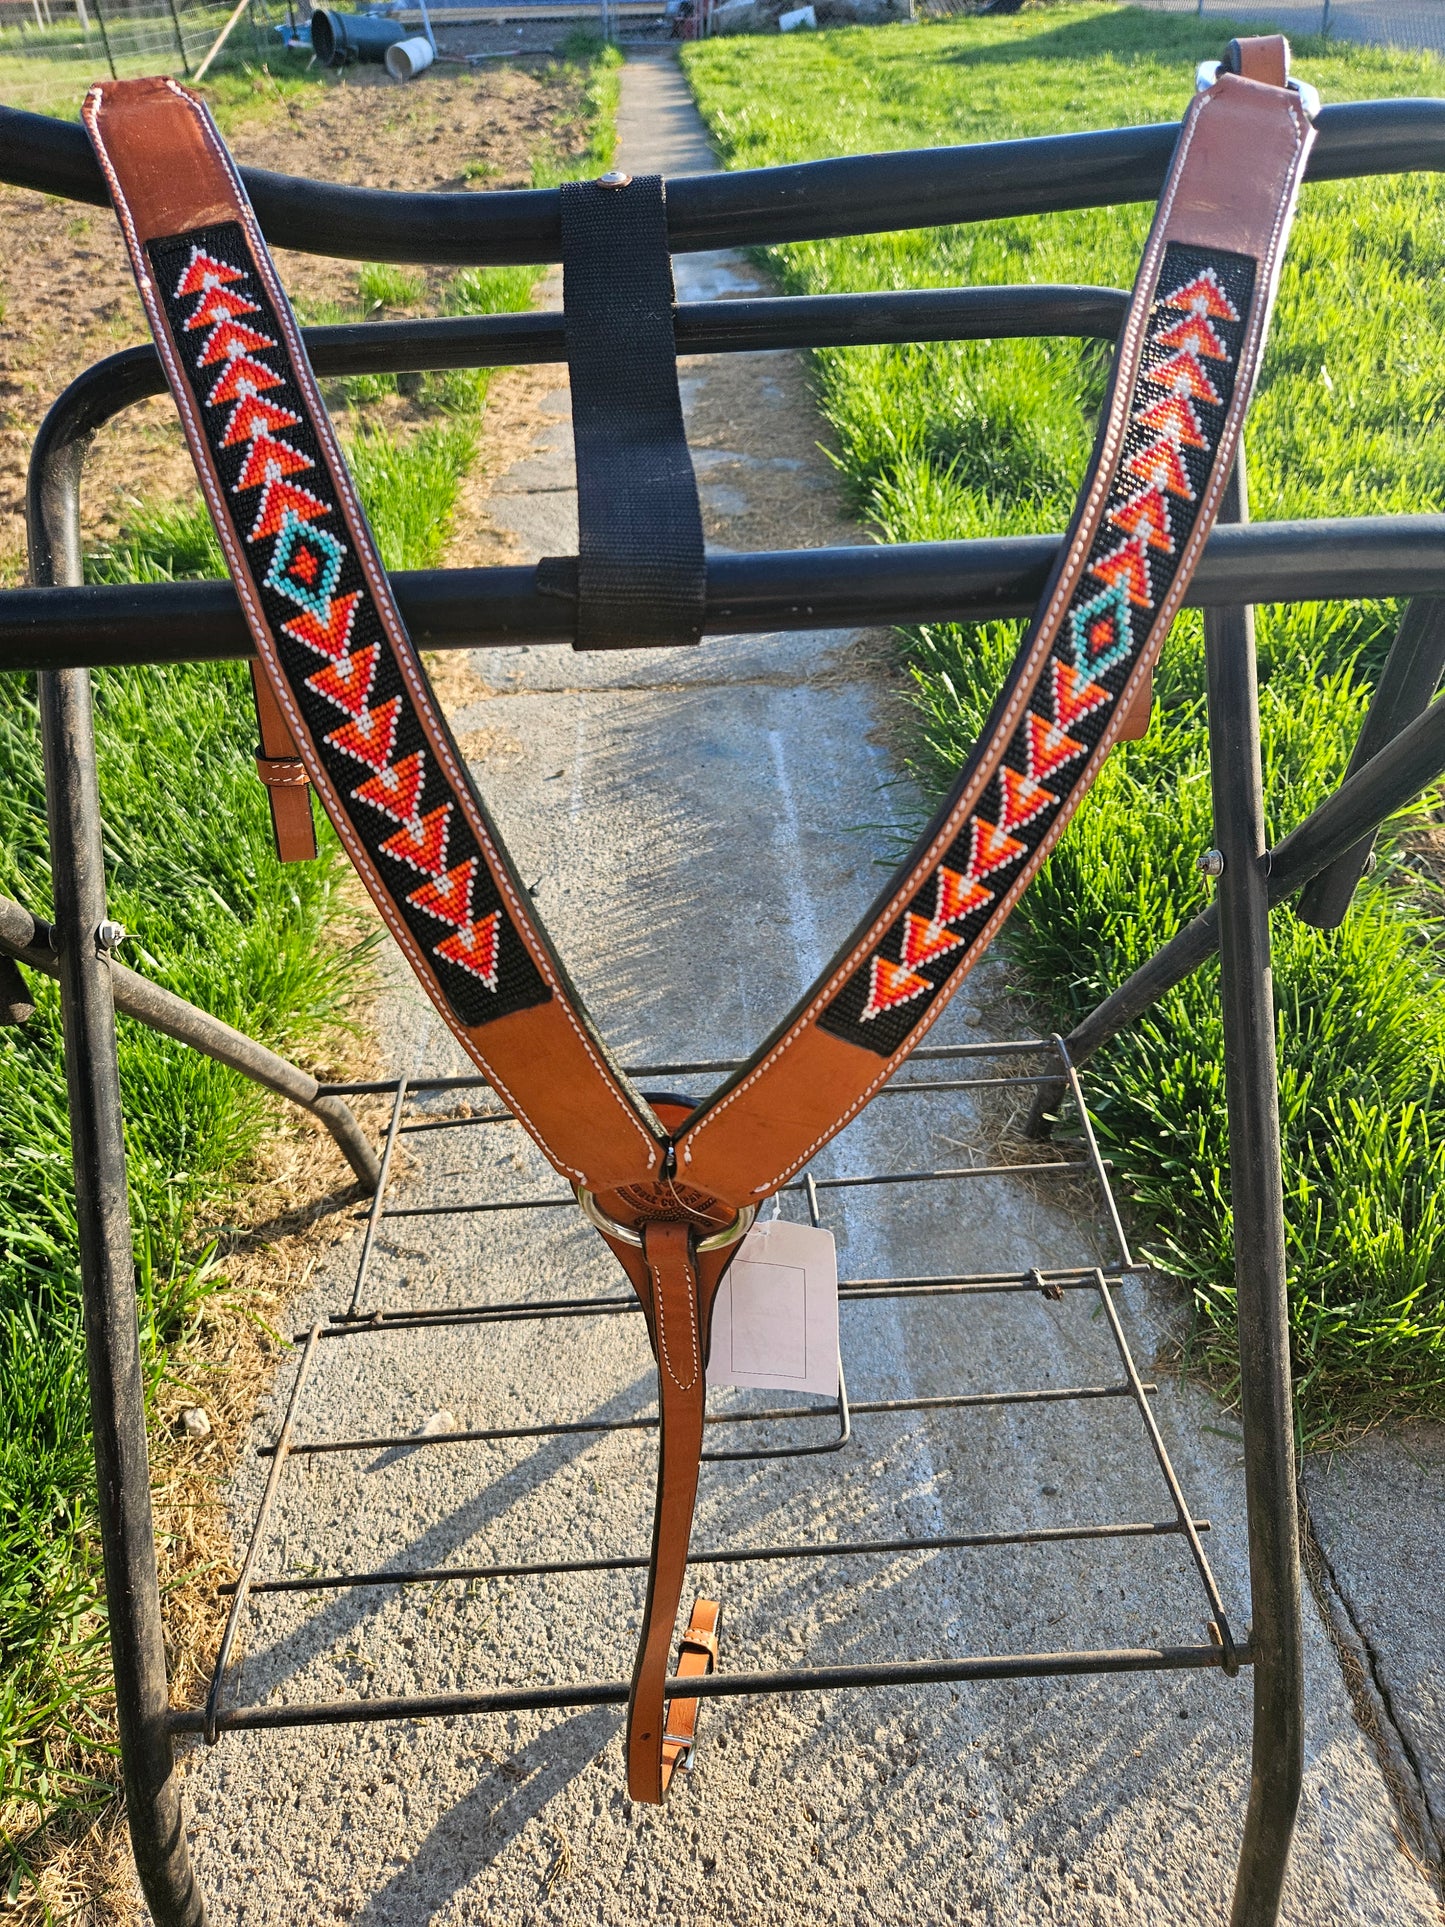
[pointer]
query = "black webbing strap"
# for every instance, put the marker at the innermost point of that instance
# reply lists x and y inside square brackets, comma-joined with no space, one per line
[641,576]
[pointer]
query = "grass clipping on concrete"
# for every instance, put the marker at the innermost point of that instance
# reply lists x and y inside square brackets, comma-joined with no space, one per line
[969,439]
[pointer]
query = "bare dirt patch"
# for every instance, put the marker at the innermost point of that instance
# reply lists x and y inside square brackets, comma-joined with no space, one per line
[66,294]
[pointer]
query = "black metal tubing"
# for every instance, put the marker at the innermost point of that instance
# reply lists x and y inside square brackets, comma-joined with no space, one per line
[107,1268]
[815,200]
[1257,1200]
[813,1679]
[242,1587]
[499,1434]
[33,942]
[1329,559]
[1047,1284]
[1408,681]
[1332,559]
[900,316]
[1391,780]
[729,1556]
[112,1340]
[108,387]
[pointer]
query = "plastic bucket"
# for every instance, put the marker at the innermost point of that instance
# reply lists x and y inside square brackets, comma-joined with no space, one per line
[405,59]
[337,39]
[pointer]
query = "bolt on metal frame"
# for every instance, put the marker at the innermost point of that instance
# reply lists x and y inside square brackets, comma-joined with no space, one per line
[62,629]
[33,943]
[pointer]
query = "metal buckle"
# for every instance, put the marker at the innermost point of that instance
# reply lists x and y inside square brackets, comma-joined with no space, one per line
[683,1762]
[714,1241]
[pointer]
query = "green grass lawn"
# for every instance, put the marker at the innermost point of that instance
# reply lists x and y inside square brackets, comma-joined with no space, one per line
[190,870]
[955,440]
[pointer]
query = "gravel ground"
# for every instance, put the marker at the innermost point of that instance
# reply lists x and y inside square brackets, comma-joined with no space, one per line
[701,827]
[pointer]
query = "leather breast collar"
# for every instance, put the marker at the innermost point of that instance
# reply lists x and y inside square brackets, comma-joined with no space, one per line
[672,1190]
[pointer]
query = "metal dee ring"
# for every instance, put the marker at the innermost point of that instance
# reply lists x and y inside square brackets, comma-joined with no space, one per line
[714,1241]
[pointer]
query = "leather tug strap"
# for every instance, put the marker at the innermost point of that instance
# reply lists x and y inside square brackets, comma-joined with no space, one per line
[668,1184]
[640,577]
[697,1656]
[677,1322]
[280,768]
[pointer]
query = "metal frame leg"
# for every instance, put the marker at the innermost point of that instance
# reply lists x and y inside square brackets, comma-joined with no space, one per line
[112,1338]
[107,1263]
[1407,683]
[1257,1195]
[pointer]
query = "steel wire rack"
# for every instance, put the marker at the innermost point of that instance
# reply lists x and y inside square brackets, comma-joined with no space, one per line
[62,629]
[834,1420]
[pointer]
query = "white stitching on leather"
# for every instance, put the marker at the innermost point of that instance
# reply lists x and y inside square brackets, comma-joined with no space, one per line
[1028,679]
[655,1271]
[391,621]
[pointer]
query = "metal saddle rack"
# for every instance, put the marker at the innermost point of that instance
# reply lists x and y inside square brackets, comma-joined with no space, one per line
[61,630]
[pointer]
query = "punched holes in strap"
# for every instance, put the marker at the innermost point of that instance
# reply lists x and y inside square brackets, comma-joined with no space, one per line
[641,574]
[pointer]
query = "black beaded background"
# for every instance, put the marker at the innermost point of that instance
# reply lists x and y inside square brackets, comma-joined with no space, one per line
[520,984]
[887,1031]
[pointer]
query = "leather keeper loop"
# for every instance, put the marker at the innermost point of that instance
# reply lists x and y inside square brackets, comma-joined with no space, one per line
[1262,57]
[282,772]
[641,574]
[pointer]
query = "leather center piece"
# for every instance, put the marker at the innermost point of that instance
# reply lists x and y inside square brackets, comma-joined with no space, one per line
[656,1203]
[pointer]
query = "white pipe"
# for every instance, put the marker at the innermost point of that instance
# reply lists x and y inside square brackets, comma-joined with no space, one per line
[405,59]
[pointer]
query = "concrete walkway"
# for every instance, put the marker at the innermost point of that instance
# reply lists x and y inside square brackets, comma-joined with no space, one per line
[700,829]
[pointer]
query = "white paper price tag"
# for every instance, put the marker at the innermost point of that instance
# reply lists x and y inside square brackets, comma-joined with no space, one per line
[775,1319]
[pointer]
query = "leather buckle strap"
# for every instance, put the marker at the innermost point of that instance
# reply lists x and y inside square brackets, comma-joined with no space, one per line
[1183,373]
[280,768]
[677,1319]
[697,1656]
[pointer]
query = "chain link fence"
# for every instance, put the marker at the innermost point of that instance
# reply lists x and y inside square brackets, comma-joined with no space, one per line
[50,50]
[1418,24]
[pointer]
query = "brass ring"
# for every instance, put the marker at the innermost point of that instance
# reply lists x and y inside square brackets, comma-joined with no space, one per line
[714,1241]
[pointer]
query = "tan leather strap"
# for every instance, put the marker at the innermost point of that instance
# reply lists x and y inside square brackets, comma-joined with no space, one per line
[330,639]
[677,1319]
[280,768]
[697,1656]
[1184,370]
[1264,57]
